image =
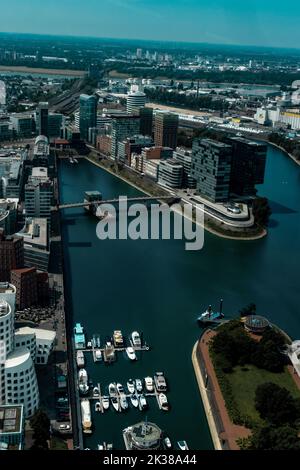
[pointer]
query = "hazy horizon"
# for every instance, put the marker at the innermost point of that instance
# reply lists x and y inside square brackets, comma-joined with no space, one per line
[218,22]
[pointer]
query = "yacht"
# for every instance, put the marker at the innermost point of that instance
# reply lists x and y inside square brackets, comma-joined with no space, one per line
[80,359]
[182,445]
[83,381]
[139,385]
[98,355]
[118,339]
[136,339]
[160,382]
[134,401]
[131,353]
[149,384]
[167,443]
[123,402]
[143,402]
[163,401]
[96,392]
[115,403]
[120,388]
[97,406]
[112,389]
[131,386]
[212,317]
[86,416]
[105,403]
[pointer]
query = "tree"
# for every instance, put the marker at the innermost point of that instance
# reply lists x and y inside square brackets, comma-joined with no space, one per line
[275,404]
[261,211]
[234,344]
[274,438]
[268,353]
[40,424]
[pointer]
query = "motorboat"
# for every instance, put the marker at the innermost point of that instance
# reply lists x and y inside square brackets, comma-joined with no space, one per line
[143,402]
[100,447]
[149,384]
[80,359]
[98,406]
[134,401]
[131,386]
[182,445]
[163,401]
[112,389]
[211,317]
[96,392]
[120,388]
[131,353]
[98,355]
[83,381]
[89,344]
[123,402]
[167,443]
[118,339]
[86,416]
[160,382]
[105,403]
[138,385]
[136,339]
[115,403]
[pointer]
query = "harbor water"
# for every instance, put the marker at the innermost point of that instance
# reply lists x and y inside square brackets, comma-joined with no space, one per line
[159,289]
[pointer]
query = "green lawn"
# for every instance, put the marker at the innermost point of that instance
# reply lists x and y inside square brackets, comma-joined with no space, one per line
[244,383]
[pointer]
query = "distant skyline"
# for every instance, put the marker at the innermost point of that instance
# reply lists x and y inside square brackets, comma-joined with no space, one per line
[270,23]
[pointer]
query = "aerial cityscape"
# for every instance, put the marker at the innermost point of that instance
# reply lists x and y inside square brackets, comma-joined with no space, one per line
[149,227]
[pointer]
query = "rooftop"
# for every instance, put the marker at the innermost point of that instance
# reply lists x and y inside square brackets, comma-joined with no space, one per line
[18,357]
[11,419]
[35,232]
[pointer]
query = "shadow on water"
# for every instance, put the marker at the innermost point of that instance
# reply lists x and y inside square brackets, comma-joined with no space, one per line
[280,208]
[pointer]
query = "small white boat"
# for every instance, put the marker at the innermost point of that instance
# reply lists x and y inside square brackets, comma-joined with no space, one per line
[143,402]
[100,447]
[98,355]
[75,160]
[163,401]
[83,381]
[149,384]
[112,389]
[89,345]
[131,386]
[160,382]
[98,406]
[167,442]
[134,400]
[136,339]
[123,402]
[115,403]
[80,359]
[131,353]
[182,445]
[96,392]
[138,385]
[105,403]
[120,388]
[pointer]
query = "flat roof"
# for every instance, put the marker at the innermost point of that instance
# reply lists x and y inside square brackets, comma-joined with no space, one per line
[40,333]
[17,357]
[39,172]
[6,288]
[11,419]
[35,232]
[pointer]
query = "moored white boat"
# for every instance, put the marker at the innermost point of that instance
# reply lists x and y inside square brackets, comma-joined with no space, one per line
[98,355]
[112,389]
[120,388]
[96,392]
[105,403]
[80,359]
[83,381]
[182,445]
[123,402]
[98,406]
[163,401]
[149,384]
[115,403]
[143,402]
[86,416]
[134,401]
[131,386]
[136,339]
[167,442]
[139,385]
[131,353]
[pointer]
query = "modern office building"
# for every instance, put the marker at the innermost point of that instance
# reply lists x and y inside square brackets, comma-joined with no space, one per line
[40,342]
[211,168]
[42,119]
[25,282]
[35,235]
[23,125]
[135,100]
[38,194]
[146,119]
[123,126]
[131,145]
[5,129]
[8,215]
[165,129]
[11,255]
[170,173]
[55,124]
[184,157]
[12,426]
[87,114]
[103,144]
[11,176]
[248,165]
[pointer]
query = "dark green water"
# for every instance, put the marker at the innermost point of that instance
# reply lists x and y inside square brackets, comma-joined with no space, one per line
[158,288]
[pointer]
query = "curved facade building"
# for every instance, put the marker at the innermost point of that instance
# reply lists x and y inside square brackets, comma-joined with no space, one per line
[135,100]
[21,385]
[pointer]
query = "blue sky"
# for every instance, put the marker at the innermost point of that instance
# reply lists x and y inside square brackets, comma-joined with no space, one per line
[253,22]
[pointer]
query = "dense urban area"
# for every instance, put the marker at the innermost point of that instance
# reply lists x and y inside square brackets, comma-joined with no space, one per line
[183,123]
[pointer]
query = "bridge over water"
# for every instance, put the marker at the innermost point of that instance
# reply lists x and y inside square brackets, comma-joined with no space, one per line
[169,199]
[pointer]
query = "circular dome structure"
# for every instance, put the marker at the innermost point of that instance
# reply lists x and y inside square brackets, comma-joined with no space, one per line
[256,324]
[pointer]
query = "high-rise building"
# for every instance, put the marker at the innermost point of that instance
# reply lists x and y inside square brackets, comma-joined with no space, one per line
[211,168]
[38,194]
[55,123]
[136,99]
[139,53]
[88,114]
[123,126]
[25,282]
[42,119]
[165,130]
[184,157]
[11,255]
[170,173]
[23,125]
[146,119]
[248,165]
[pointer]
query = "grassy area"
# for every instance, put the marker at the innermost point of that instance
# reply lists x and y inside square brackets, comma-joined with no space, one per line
[245,380]
[58,444]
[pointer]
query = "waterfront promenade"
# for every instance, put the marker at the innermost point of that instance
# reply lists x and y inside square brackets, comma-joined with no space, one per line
[224,433]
